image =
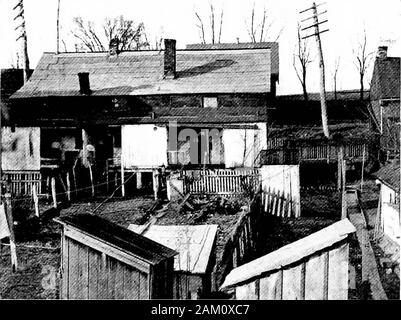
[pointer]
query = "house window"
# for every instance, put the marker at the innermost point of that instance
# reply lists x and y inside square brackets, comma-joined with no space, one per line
[210,102]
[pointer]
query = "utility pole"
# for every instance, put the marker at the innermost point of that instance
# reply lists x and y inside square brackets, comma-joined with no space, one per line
[317,33]
[19,9]
[58,26]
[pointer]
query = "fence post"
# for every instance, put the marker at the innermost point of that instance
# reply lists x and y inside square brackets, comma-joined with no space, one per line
[54,194]
[289,202]
[279,201]
[13,249]
[91,177]
[35,201]
[122,180]
[68,186]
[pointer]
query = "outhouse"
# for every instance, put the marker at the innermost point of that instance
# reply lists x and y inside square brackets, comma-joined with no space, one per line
[102,260]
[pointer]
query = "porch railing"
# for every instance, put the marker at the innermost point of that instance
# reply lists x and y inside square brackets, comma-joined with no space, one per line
[21,183]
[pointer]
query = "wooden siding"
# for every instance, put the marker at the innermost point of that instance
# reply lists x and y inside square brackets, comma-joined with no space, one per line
[89,274]
[323,276]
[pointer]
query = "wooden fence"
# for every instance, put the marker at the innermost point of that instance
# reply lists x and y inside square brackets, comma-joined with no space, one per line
[221,181]
[277,203]
[243,242]
[312,152]
[21,183]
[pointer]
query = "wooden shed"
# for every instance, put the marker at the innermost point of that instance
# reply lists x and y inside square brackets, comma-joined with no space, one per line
[196,258]
[101,260]
[312,268]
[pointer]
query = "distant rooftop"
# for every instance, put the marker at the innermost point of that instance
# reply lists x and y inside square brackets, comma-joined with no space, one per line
[346,95]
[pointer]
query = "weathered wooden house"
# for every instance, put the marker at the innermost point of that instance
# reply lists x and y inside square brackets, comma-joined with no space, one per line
[193,266]
[122,112]
[101,260]
[385,100]
[388,178]
[313,268]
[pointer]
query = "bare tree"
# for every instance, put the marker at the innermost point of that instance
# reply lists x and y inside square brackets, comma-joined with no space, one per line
[128,35]
[335,75]
[258,32]
[302,58]
[15,61]
[215,35]
[363,60]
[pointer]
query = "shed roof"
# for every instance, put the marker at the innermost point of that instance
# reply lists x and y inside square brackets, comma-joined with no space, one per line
[291,253]
[386,78]
[141,73]
[120,237]
[390,174]
[194,243]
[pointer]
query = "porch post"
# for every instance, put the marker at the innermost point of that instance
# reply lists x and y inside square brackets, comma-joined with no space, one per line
[122,179]
[139,180]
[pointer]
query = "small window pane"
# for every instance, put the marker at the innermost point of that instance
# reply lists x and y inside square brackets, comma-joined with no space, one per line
[209,102]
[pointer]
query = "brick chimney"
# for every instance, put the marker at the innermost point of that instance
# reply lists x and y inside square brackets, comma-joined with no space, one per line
[382,52]
[169,58]
[113,47]
[84,86]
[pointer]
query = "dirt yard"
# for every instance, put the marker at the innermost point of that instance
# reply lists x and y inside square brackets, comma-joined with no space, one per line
[39,240]
[38,246]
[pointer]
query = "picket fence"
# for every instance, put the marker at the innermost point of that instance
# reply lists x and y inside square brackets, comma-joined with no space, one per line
[21,183]
[221,181]
[279,204]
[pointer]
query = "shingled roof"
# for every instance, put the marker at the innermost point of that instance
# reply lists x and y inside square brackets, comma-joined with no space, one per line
[386,78]
[390,174]
[141,73]
[275,66]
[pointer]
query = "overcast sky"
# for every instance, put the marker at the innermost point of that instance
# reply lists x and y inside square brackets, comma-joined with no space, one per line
[175,19]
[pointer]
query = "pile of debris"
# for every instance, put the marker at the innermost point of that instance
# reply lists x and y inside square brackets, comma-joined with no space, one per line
[204,207]
[192,209]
